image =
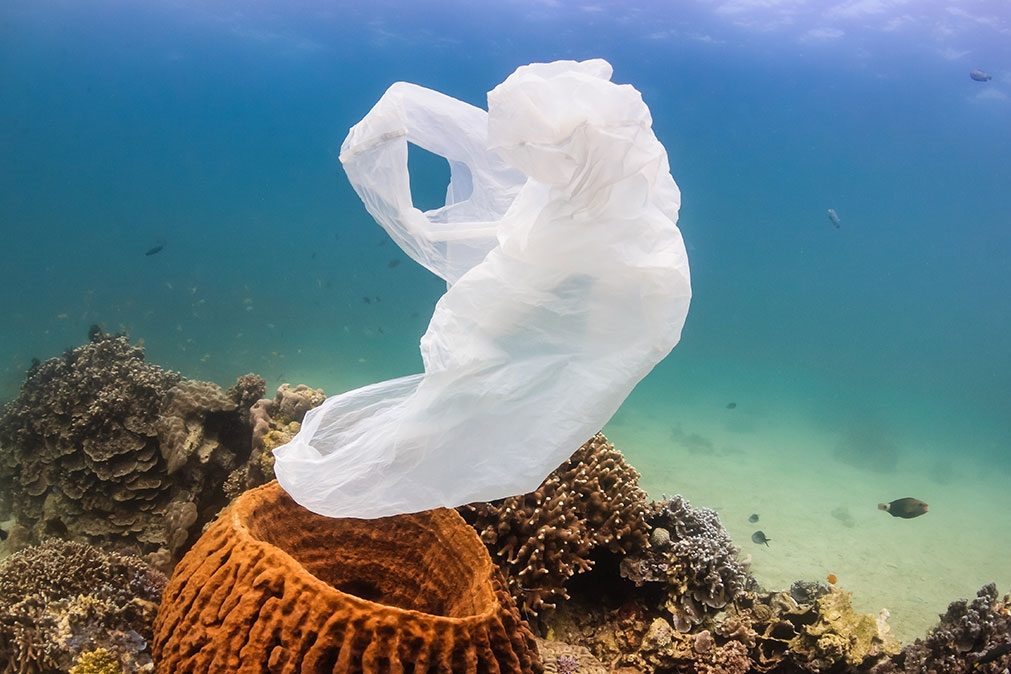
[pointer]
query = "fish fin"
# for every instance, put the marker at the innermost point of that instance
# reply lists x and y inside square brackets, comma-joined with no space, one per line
[883,506]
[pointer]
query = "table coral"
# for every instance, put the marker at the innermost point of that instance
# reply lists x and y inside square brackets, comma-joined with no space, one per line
[591,502]
[61,600]
[272,587]
[103,447]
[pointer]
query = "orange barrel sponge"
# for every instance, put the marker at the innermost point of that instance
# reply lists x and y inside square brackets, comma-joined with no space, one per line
[272,587]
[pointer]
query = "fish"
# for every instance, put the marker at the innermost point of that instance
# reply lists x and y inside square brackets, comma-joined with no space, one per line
[3,534]
[979,75]
[731,406]
[367,300]
[393,263]
[832,579]
[753,518]
[760,537]
[834,218]
[155,250]
[906,508]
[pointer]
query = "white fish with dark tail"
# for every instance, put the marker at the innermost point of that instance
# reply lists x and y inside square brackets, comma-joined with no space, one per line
[834,218]
[980,75]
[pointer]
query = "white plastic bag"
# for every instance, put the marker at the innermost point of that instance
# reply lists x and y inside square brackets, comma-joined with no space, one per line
[568,281]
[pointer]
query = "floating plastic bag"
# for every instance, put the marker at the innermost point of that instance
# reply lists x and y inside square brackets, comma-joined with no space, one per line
[568,281]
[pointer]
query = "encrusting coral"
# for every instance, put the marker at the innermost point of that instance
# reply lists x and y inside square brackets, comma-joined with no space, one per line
[103,447]
[63,602]
[272,587]
[694,558]
[274,423]
[591,502]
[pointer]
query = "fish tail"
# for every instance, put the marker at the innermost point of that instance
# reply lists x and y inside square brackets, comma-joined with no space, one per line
[883,506]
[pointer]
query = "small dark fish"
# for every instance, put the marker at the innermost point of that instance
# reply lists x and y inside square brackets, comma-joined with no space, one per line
[834,218]
[3,534]
[731,406]
[154,251]
[906,508]
[760,537]
[393,263]
[753,518]
[980,75]
[367,300]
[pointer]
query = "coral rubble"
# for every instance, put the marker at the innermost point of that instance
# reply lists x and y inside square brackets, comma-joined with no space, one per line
[272,587]
[103,447]
[66,605]
[591,502]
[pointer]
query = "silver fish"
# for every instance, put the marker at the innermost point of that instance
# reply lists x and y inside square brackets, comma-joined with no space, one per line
[980,75]
[834,218]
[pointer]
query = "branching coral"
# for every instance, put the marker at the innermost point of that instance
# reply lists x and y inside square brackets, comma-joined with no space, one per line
[591,502]
[61,600]
[103,447]
[695,559]
[973,636]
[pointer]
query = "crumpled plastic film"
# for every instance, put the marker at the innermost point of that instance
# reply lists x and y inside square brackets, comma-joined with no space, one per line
[567,282]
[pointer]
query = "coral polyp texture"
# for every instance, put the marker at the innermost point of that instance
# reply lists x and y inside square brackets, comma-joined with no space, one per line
[592,502]
[104,447]
[694,558]
[70,606]
[272,587]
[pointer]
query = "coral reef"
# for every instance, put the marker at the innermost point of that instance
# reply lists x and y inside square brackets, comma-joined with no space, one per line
[694,558]
[273,587]
[98,661]
[973,636]
[274,423]
[839,634]
[102,447]
[65,605]
[591,502]
[563,658]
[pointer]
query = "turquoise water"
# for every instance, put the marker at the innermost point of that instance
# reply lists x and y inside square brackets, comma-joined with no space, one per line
[214,132]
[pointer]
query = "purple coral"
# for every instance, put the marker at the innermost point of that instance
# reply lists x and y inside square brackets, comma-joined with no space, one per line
[567,664]
[699,564]
[973,636]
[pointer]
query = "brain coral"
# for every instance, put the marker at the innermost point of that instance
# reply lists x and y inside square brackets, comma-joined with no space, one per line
[591,502]
[103,447]
[61,601]
[696,560]
[272,587]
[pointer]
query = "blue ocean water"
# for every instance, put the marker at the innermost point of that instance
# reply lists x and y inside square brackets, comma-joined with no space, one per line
[212,129]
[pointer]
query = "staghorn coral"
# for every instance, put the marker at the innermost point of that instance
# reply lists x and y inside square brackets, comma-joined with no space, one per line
[61,600]
[591,502]
[103,447]
[272,587]
[274,422]
[972,636]
[695,560]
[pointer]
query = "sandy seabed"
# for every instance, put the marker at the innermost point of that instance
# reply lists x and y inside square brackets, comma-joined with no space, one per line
[821,514]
